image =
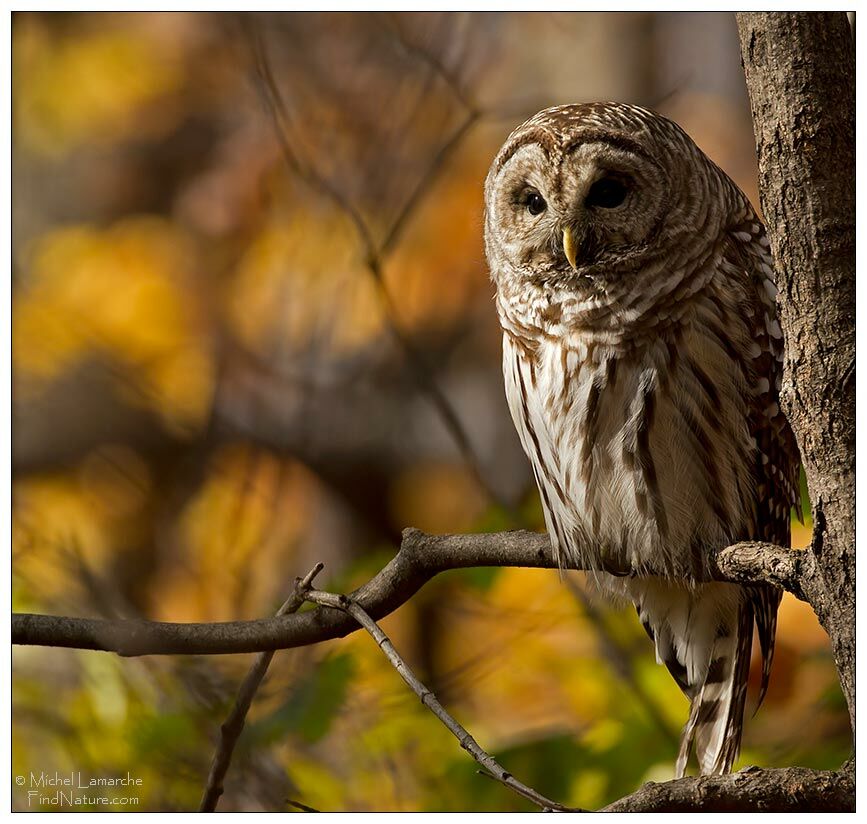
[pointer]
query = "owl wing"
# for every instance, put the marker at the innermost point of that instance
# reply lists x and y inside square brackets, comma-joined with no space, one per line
[757,344]
[777,466]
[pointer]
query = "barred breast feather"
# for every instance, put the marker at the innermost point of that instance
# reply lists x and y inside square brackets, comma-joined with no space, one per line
[650,450]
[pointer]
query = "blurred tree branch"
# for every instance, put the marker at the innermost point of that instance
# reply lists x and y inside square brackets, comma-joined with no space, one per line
[232,727]
[374,253]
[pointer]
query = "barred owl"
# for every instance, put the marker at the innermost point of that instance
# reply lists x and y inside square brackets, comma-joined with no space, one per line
[642,358]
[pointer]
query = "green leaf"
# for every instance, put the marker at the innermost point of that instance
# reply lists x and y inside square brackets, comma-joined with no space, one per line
[478,578]
[312,704]
[155,735]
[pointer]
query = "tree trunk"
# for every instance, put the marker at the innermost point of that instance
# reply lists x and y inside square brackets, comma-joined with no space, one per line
[800,73]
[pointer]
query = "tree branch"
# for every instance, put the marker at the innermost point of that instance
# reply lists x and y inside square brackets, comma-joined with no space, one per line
[421,557]
[793,789]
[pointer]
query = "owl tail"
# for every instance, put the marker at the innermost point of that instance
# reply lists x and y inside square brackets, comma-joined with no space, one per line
[717,709]
[703,634]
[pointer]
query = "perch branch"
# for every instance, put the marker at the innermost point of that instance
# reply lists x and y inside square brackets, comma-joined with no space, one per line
[467,742]
[420,558]
[232,727]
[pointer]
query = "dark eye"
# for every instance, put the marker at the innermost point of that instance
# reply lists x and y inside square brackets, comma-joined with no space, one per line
[607,193]
[535,203]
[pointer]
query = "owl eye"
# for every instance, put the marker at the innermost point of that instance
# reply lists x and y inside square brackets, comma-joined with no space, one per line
[535,203]
[607,193]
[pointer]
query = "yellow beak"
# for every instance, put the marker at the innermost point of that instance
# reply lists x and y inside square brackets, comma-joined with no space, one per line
[569,247]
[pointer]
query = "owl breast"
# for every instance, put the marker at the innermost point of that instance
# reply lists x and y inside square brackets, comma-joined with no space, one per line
[642,453]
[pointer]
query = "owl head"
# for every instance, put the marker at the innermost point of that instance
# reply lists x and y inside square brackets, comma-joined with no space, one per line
[581,195]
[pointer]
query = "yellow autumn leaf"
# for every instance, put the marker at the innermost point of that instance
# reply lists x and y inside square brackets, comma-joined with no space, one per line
[437,498]
[53,522]
[90,88]
[122,291]
[241,526]
[438,270]
[302,282]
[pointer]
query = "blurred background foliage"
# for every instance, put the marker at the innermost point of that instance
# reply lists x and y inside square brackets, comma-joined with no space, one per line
[253,330]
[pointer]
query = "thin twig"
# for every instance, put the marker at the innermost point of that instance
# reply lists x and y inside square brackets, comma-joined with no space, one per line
[431,60]
[473,114]
[427,178]
[282,120]
[299,806]
[436,396]
[231,729]
[348,605]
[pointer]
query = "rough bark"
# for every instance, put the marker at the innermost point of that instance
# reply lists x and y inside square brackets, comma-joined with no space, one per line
[800,73]
[793,789]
